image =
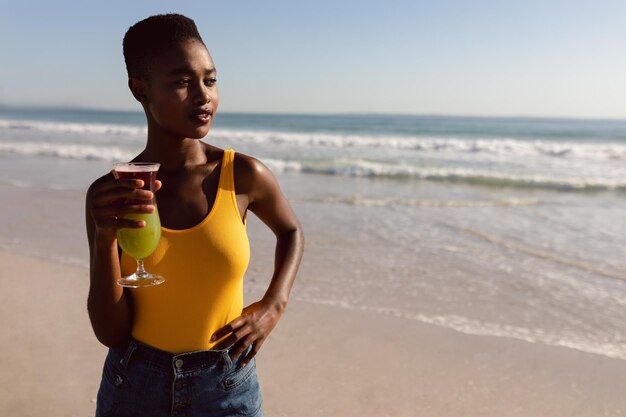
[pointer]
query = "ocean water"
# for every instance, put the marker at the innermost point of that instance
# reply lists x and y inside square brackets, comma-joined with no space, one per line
[491,226]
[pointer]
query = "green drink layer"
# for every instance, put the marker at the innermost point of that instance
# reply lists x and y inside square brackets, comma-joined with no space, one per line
[140,243]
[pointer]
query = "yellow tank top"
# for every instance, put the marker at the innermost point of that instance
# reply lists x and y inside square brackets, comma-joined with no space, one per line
[203,267]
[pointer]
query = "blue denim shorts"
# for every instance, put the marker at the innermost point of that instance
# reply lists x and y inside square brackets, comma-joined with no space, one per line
[140,380]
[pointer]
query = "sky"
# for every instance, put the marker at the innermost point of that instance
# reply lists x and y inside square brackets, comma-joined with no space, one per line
[484,58]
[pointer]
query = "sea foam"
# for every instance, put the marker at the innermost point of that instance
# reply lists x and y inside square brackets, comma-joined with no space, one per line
[506,146]
[500,162]
[571,340]
[345,167]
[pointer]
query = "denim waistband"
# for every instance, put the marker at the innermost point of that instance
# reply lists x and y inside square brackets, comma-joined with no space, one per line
[188,361]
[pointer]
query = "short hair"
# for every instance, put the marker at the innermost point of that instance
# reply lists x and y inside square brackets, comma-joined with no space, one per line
[146,38]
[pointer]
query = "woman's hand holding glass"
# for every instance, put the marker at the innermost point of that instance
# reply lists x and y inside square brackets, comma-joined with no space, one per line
[119,206]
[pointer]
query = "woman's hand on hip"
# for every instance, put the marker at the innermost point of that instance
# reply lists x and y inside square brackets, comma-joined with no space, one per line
[250,329]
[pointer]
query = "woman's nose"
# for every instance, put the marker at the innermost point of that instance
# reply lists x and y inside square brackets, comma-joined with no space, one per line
[203,95]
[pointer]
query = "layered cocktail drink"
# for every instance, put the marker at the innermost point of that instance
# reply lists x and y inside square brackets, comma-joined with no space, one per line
[139,243]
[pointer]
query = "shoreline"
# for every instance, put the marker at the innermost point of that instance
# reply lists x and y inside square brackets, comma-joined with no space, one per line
[319,361]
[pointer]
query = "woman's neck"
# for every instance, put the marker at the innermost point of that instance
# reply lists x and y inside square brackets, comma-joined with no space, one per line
[173,153]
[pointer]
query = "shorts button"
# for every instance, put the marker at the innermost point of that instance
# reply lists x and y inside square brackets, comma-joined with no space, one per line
[178,363]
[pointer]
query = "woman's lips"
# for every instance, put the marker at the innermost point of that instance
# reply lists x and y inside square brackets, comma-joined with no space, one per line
[203,117]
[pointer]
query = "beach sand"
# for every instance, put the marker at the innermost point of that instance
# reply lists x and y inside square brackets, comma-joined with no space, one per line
[319,361]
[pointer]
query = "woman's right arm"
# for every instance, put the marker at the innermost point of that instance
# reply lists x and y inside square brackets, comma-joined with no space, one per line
[107,303]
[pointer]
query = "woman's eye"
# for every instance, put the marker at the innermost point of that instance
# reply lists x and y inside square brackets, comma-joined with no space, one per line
[210,81]
[182,82]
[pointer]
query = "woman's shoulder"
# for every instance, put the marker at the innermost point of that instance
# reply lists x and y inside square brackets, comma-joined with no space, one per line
[248,165]
[250,172]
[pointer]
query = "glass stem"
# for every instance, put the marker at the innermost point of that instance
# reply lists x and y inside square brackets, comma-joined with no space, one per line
[140,270]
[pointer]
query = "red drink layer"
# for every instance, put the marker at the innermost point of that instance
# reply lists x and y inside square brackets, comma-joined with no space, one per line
[148,178]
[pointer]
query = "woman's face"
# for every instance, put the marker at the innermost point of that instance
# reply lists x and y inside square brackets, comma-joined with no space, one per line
[181,95]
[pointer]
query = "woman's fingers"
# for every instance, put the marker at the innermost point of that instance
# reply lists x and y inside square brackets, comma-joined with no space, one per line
[114,215]
[240,347]
[108,208]
[121,209]
[239,335]
[123,183]
[249,329]
[229,328]
[233,334]
[118,223]
[110,191]
[256,346]
[114,195]
[226,343]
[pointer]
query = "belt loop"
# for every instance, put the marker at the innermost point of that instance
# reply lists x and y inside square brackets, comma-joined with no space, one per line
[132,346]
[227,362]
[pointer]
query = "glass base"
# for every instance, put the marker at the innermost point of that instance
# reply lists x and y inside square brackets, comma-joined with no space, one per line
[138,280]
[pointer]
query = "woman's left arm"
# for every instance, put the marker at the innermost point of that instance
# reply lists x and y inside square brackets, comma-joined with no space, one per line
[267,202]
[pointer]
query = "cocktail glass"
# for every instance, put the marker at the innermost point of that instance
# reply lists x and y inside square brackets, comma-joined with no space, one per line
[139,243]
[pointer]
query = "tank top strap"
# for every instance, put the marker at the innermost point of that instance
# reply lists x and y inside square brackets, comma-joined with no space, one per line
[227,181]
[227,173]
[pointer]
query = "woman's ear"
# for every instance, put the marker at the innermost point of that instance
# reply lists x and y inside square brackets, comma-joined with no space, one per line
[138,89]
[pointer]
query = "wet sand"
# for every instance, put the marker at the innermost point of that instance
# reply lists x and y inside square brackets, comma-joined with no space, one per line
[319,361]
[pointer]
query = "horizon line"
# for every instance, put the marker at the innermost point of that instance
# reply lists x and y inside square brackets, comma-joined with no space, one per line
[326,114]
